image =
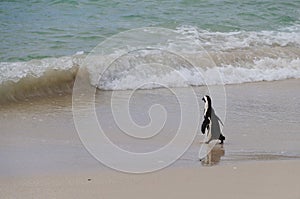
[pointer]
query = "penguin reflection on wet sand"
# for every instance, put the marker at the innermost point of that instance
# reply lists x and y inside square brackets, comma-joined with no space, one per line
[210,125]
[214,156]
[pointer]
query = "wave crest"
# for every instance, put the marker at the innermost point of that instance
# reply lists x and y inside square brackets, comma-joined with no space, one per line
[237,57]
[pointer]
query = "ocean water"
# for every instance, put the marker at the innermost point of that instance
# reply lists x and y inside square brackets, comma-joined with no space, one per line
[43,43]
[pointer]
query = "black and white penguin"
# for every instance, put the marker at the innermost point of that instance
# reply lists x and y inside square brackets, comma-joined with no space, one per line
[210,125]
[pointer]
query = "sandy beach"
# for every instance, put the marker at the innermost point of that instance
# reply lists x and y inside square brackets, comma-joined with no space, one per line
[43,157]
[275,179]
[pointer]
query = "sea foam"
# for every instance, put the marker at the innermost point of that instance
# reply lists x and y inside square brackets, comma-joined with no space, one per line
[199,57]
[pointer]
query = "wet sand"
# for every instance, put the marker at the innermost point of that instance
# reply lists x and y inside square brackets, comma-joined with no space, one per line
[42,155]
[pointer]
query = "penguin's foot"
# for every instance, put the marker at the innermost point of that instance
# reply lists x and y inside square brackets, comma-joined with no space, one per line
[222,138]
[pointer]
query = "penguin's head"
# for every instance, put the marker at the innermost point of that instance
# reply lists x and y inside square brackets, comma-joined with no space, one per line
[207,100]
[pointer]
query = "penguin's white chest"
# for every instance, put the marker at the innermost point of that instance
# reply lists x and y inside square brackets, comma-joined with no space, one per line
[205,108]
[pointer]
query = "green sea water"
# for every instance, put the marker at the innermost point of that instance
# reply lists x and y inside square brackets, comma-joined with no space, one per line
[36,29]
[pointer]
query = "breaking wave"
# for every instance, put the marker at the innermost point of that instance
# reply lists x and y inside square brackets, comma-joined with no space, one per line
[237,57]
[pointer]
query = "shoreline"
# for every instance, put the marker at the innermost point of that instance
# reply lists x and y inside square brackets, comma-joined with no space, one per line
[7,103]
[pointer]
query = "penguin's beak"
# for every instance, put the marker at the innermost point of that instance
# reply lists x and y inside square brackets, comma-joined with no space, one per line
[203,99]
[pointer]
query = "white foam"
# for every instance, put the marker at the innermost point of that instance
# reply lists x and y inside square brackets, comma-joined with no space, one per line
[15,71]
[265,56]
[242,39]
[136,79]
[266,69]
[239,57]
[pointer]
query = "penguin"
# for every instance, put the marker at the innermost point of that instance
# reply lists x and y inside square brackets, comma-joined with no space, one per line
[210,125]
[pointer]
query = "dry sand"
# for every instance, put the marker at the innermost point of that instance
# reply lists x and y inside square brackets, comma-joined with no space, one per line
[252,180]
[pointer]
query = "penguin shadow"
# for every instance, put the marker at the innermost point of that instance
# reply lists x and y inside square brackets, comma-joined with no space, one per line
[214,156]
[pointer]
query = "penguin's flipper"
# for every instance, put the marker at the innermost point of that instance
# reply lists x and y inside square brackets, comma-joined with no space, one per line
[204,125]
